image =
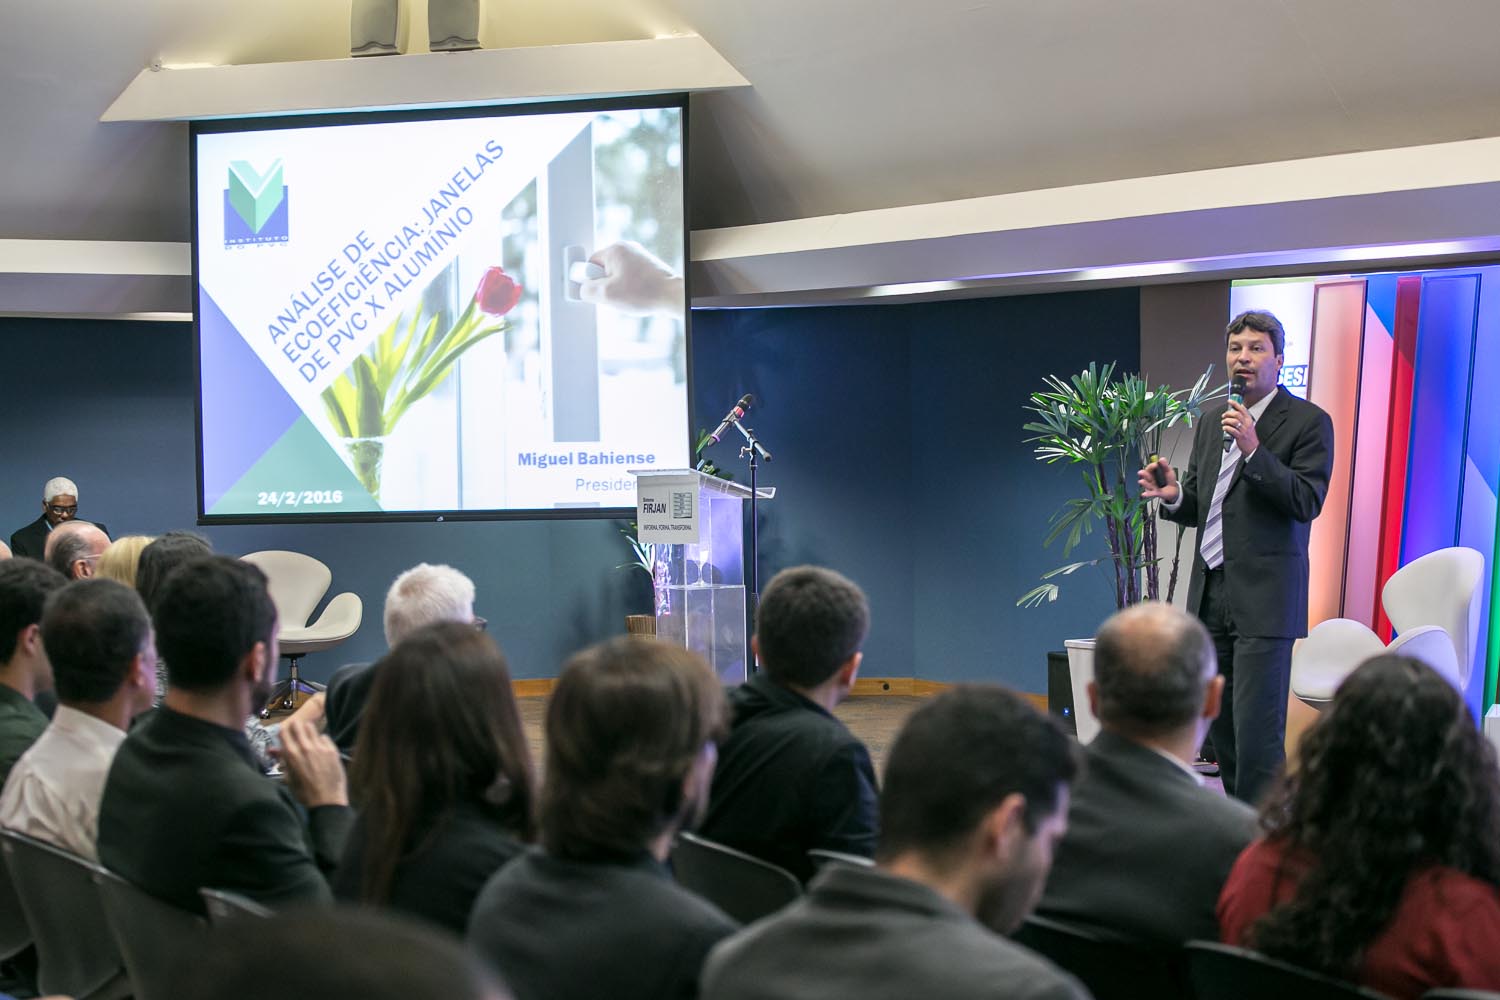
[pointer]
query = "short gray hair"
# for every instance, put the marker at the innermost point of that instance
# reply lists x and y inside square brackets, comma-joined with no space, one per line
[1152,665]
[59,486]
[425,594]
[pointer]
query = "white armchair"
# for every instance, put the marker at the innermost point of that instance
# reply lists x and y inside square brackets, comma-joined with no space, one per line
[1433,604]
[297,583]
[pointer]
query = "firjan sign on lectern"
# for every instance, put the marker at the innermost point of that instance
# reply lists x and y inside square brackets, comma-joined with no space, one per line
[666,509]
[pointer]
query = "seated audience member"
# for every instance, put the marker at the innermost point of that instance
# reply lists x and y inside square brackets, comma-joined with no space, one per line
[98,639]
[121,560]
[335,955]
[24,670]
[976,797]
[185,806]
[442,778]
[5,552]
[1148,847]
[161,556]
[59,505]
[74,549]
[594,913]
[422,595]
[1380,862]
[157,562]
[791,777]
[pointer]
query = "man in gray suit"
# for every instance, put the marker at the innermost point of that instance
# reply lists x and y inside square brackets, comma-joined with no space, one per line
[976,795]
[1148,847]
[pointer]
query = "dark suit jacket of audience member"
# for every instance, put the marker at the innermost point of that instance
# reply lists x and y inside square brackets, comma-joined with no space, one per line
[861,932]
[790,777]
[441,879]
[21,723]
[1147,849]
[344,703]
[185,807]
[606,930]
[31,541]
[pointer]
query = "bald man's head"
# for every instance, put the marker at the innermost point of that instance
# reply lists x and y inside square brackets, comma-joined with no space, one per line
[73,548]
[1153,664]
[5,552]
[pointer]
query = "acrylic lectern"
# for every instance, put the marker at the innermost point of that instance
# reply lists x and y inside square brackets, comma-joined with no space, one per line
[694,525]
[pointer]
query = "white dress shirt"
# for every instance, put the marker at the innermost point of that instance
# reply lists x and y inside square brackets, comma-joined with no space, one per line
[54,790]
[1233,454]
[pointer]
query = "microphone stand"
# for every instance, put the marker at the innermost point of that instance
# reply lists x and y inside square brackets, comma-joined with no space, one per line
[755,450]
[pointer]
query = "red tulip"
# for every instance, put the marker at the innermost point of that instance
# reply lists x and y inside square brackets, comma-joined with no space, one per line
[498,292]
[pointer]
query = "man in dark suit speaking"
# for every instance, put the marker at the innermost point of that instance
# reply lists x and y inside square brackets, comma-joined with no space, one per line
[1257,478]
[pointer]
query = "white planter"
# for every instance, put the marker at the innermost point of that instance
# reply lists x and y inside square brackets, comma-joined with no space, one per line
[1080,673]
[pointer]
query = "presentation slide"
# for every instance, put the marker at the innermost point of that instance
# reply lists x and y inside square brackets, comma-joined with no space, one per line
[419,317]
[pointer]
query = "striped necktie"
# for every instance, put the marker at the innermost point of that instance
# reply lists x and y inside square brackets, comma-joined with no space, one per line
[1212,545]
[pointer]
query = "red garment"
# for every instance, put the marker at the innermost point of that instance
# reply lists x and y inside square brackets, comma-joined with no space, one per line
[1445,931]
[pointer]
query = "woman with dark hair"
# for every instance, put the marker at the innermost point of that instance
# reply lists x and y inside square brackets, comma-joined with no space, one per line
[1380,862]
[441,776]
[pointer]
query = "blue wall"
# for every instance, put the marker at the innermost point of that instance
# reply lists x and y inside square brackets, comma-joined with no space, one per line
[901,463]
[898,455]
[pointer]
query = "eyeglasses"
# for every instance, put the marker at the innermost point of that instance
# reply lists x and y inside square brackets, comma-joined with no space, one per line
[62,511]
[479,623]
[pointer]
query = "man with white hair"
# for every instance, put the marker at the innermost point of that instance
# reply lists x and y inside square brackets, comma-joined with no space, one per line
[59,504]
[73,548]
[420,596]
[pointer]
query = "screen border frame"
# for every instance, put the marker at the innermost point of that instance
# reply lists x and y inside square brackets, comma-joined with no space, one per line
[288,122]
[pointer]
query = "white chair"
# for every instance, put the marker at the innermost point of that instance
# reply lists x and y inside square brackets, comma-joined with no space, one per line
[1433,604]
[297,583]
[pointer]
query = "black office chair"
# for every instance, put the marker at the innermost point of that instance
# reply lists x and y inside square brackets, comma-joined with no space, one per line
[154,937]
[15,932]
[1112,970]
[1454,993]
[822,857]
[744,887]
[224,906]
[76,952]
[1224,972]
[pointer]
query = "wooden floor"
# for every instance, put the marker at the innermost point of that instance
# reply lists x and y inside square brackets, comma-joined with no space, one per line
[874,719]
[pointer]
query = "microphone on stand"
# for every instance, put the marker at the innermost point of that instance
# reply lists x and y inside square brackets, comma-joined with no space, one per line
[1236,395]
[732,417]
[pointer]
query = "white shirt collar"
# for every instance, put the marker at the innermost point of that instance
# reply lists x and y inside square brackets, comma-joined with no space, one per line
[86,726]
[1265,401]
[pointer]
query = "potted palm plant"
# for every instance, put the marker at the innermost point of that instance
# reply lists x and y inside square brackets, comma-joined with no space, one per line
[1109,427]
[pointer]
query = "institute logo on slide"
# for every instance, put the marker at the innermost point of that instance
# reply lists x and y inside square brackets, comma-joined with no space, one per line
[255,205]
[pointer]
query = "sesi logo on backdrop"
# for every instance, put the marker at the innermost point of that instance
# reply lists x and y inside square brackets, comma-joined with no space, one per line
[256,205]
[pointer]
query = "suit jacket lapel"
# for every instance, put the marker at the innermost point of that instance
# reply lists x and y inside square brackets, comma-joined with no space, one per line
[1266,426]
[1210,463]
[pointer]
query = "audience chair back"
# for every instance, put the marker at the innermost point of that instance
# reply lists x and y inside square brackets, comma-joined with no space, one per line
[225,907]
[1224,972]
[154,937]
[1112,970]
[1458,994]
[821,858]
[744,887]
[76,952]
[15,932]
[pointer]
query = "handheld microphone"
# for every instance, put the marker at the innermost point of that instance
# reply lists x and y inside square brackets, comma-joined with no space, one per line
[1236,395]
[732,417]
